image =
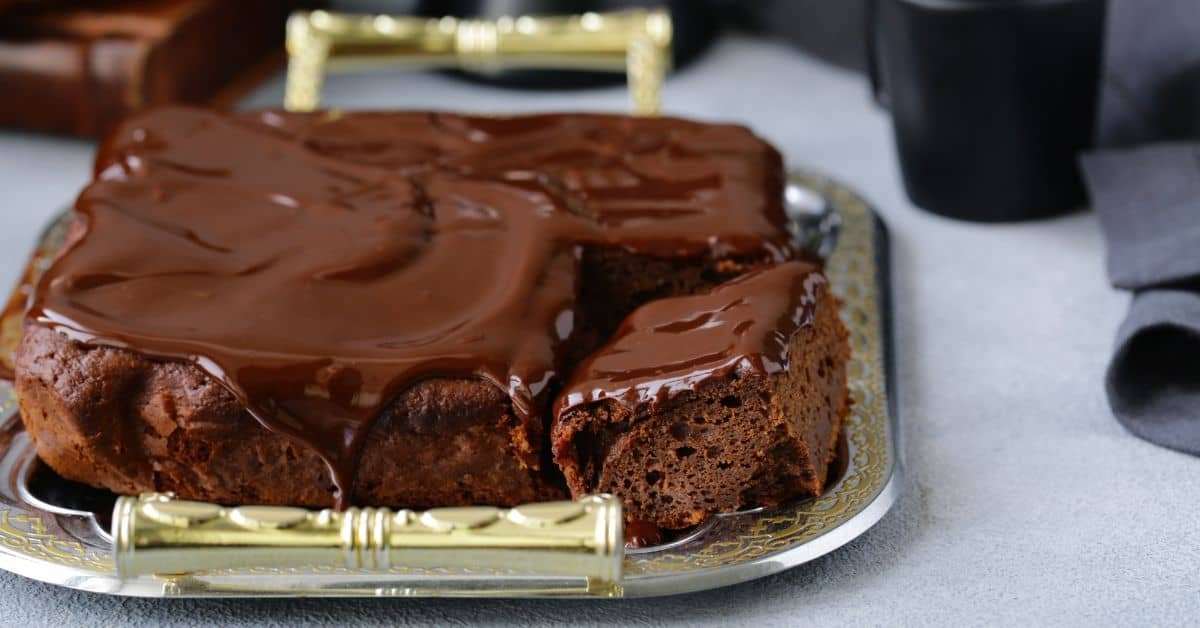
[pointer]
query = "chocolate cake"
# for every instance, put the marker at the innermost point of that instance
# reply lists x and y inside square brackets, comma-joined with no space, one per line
[80,67]
[708,403]
[368,308]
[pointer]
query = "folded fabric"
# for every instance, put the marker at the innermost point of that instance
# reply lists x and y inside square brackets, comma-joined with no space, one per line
[1150,90]
[1154,378]
[1148,202]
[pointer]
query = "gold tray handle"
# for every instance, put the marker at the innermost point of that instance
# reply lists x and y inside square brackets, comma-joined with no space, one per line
[158,534]
[636,41]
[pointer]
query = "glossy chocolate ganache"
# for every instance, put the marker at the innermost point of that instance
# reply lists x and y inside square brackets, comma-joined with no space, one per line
[318,264]
[672,345]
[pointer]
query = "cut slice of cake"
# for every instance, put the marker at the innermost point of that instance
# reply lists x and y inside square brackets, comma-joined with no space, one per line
[710,403]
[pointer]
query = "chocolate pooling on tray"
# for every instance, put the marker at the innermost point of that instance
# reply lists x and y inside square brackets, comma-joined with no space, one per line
[673,345]
[319,264]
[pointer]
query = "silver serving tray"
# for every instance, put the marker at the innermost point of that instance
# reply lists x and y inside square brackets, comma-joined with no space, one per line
[57,532]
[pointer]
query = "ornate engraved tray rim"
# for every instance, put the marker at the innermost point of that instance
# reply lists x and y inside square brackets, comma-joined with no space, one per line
[68,548]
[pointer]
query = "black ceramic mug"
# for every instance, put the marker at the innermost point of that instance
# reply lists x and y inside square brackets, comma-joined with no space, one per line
[991,100]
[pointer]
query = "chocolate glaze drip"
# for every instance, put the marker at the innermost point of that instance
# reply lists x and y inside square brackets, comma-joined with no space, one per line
[640,533]
[671,345]
[12,315]
[318,264]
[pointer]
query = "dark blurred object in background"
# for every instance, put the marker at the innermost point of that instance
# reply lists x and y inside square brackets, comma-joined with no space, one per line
[991,102]
[829,29]
[9,4]
[694,27]
[78,68]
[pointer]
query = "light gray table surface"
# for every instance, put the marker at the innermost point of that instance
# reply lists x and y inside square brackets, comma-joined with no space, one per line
[1025,501]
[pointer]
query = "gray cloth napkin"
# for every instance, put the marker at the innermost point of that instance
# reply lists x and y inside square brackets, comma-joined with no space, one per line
[1148,201]
[1145,187]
